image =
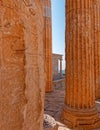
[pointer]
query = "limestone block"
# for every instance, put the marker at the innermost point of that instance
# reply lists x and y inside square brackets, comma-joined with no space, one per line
[50,123]
[21,65]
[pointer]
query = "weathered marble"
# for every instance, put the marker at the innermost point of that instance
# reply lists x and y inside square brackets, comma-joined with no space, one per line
[48,44]
[79,110]
[97,46]
[21,65]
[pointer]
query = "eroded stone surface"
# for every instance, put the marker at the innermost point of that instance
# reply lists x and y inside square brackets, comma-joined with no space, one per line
[21,65]
[49,122]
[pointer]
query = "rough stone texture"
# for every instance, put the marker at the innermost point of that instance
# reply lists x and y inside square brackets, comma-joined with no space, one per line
[79,110]
[97,46]
[57,66]
[49,123]
[21,65]
[48,44]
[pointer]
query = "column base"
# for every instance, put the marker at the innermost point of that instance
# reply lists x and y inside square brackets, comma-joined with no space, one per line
[87,119]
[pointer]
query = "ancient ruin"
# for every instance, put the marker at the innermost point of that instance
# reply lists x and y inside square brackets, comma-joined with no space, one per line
[79,110]
[22,73]
[48,44]
[26,70]
[57,66]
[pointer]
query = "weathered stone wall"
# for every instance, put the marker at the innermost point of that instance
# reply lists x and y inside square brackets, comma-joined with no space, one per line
[21,65]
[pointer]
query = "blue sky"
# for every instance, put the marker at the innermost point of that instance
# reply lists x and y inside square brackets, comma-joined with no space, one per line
[58,27]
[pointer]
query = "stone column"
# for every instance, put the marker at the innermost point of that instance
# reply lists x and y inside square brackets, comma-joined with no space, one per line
[79,110]
[97,47]
[60,67]
[48,44]
[21,65]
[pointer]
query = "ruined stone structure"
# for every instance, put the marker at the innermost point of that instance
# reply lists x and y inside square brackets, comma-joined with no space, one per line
[26,63]
[97,46]
[48,44]
[21,65]
[79,110]
[57,66]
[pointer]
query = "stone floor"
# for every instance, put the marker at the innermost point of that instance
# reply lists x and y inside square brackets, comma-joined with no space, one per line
[54,102]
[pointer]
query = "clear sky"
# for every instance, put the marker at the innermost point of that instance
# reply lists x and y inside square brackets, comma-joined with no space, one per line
[58,27]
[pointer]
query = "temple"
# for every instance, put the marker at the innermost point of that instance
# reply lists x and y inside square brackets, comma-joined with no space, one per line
[28,67]
[57,66]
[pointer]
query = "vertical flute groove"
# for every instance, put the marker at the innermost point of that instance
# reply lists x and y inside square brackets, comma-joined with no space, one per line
[97,46]
[79,54]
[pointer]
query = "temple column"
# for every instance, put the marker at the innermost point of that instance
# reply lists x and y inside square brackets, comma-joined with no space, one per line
[48,44]
[79,110]
[60,67]
[97,47]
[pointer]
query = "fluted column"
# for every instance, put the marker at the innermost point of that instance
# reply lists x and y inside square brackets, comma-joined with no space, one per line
[60,67]
[97,47]
[48,44]
[79,110]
